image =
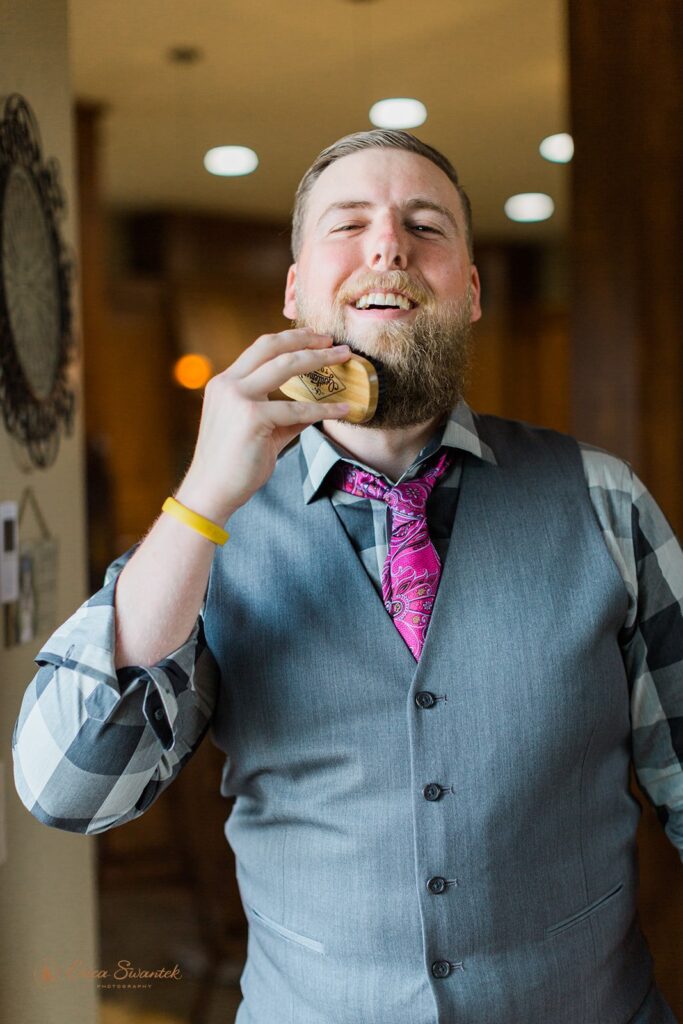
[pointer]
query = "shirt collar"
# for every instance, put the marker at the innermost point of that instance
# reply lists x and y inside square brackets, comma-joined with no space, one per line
[318,452]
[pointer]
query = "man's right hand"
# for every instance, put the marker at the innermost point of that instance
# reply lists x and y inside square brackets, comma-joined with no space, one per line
[241,432]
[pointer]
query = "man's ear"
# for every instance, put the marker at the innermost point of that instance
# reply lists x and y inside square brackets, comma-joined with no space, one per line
[289,309]
[476,294]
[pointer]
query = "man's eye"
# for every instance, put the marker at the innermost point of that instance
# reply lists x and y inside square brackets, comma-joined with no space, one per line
[425,227]
[347,227]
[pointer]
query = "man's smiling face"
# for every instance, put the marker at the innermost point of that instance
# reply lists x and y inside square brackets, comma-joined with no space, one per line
[384,265]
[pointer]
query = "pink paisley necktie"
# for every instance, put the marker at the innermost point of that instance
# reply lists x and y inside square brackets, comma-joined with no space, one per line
[412,569]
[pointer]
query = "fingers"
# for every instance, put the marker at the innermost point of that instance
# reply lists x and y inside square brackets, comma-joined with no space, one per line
[276,371]
[268,346]
[241,430]
[287,414]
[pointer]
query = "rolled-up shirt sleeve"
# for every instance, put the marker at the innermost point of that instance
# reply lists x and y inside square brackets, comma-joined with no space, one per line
[649,557]
[93,746]
[655,656]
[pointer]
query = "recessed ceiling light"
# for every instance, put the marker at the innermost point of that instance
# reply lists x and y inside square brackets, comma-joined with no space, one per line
[529,206]
[229,161]
[184,54]
[557,148]
[398,113]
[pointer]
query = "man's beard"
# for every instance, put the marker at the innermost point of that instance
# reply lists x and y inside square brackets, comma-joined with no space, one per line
[423,364]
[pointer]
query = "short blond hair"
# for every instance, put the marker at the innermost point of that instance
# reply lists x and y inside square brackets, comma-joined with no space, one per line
[378,138]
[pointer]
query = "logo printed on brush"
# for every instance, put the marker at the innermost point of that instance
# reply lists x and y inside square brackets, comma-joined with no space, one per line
[322,383]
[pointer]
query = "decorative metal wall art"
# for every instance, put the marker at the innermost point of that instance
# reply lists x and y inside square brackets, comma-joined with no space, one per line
[36,273]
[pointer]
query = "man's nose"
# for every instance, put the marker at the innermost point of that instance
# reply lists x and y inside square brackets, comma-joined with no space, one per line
[388,249]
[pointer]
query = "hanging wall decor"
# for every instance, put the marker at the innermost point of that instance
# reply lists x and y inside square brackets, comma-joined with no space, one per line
[36,272]
[32,610]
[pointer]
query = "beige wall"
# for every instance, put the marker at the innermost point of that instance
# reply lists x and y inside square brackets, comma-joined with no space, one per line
[47,897]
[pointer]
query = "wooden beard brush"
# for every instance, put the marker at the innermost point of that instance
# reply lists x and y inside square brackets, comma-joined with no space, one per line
[357,381]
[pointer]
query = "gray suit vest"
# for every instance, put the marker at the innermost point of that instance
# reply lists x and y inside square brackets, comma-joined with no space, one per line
[449,841]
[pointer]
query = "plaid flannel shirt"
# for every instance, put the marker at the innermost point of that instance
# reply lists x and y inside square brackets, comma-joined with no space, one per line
[93,747]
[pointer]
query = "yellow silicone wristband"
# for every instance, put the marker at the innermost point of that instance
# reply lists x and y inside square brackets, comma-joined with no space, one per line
[199,523]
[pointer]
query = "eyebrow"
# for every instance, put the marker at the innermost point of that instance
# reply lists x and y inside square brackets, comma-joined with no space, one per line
[418,203]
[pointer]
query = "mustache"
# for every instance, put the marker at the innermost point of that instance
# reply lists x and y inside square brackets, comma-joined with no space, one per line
[391,281]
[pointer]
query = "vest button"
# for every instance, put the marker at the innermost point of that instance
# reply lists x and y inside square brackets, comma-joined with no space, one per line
[158,714]
[437,885]
[425,699]
[432,791]
[441,968]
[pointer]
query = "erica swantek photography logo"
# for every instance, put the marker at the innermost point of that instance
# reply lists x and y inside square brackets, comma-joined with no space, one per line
[123,974]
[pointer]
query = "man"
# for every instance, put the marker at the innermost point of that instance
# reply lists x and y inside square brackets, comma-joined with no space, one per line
[429,650]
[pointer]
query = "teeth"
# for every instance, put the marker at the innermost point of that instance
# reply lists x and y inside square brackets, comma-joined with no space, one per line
[383,299]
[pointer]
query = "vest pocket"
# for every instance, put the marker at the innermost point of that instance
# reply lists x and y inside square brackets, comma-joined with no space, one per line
[286,933]
[581,915]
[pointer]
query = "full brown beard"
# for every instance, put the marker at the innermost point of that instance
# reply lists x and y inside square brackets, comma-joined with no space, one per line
[424,364]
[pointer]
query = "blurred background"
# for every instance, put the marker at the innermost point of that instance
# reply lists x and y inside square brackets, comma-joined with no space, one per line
[581,331]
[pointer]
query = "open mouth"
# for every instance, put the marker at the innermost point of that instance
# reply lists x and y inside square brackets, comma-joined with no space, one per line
[383,300]
[387,305]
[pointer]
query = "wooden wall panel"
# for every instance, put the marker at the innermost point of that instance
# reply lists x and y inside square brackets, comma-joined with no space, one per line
[627,307]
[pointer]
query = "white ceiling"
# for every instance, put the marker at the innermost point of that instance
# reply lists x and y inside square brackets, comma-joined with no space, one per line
[287,78]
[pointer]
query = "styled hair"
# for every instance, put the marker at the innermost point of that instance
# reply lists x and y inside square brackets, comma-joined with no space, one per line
[378,138]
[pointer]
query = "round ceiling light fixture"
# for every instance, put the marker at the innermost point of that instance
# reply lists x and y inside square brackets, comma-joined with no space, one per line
[398,113]
[528,207]
[559,149]
[230,161]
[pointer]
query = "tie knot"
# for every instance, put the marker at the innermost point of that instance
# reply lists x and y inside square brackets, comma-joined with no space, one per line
[408,498]
[359,482]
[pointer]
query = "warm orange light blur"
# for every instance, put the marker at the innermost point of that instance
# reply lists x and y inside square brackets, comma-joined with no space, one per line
[192,371]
